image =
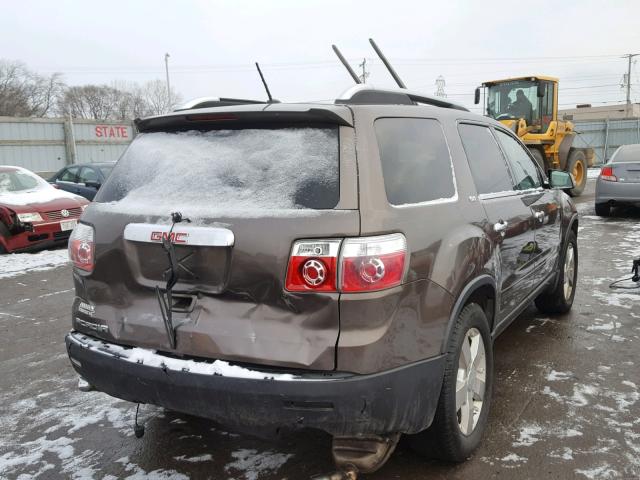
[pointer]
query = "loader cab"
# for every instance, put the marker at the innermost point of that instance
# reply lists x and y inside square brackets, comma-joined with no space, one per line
[533,99]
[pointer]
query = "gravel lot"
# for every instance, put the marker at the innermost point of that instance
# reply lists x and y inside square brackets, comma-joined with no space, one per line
[566,399]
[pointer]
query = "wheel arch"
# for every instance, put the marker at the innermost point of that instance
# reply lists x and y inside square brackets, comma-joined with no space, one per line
[481,290]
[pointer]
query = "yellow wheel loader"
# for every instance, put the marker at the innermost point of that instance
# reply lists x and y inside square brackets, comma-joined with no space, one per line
[529,107]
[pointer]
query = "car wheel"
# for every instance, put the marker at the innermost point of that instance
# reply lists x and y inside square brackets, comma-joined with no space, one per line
[603,209]
[577,166]
[465,397]
[560,299]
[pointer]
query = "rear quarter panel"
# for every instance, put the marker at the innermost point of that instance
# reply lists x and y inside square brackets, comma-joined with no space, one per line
[447,243]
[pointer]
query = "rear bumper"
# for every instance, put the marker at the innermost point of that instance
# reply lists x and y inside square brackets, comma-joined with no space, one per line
[617,192]
[400,400]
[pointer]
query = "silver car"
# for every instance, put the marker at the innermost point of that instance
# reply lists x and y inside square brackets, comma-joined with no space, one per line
[619,180]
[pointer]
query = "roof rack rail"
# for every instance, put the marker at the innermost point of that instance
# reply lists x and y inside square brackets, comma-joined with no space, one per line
[367,95]
[206,102]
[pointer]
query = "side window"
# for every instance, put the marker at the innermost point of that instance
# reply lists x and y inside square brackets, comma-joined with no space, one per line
[525,173]
[88,174]
[69,175]
[489,170]
[416,163]
[546,113]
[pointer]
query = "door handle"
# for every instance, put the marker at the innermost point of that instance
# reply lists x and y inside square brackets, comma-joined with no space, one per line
[539,216]
[500,227]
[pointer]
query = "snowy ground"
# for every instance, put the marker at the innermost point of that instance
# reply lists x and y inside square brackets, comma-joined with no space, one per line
[17,264]
[566,395]
[593,172]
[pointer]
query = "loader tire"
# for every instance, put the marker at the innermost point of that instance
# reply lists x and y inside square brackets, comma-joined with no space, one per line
[540,159]
[577,167]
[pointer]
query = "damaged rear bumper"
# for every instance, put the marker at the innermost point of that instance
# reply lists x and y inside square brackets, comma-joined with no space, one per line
[400,400]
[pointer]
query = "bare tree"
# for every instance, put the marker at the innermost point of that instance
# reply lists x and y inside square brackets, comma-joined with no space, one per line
[157,98]
[88,101]
[120,101]
[26,93]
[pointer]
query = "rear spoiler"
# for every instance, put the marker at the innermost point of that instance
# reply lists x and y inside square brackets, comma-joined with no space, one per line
[230,117]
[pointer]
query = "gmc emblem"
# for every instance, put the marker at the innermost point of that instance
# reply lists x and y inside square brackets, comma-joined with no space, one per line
[174,237]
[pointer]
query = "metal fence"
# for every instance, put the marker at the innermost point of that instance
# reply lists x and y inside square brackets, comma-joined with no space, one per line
[45,145]
[604,136]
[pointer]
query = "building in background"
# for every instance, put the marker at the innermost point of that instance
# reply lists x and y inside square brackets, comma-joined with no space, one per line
[45,145]
[587,112]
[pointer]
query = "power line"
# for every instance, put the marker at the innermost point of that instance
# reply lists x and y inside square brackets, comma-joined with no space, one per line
[319,64]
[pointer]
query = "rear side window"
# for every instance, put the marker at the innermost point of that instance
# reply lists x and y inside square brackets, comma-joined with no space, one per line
[228,171]
[88,174]
[626,153]
[70,175]
[416,164]
[525,173]
[489,170]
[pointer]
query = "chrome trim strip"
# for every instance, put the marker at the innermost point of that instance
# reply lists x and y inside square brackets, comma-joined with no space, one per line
[509,193]
[187,234]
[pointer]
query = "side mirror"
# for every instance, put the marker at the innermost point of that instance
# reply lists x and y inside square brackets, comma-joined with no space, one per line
[560,180]
[95,185]
[542,88]
[476,98]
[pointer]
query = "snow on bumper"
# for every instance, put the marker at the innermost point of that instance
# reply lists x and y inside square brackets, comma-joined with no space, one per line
[251,400]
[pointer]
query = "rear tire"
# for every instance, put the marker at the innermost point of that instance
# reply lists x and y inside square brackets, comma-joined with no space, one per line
[560,299]
[577,166]
[603,209]
[465,397]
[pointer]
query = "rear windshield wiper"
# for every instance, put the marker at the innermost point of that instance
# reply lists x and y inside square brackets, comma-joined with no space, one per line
[165,299]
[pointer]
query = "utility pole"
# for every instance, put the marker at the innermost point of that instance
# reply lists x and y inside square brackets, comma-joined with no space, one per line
[166,68]
[627,79]
[365,74]
[440,83]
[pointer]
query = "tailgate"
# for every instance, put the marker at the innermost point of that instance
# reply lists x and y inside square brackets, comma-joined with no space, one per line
[229,300]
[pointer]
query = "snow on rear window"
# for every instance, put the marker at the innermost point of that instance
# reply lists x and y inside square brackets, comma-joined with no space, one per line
[227,170]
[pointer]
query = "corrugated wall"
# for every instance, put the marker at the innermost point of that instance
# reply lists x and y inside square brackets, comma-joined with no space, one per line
[604,136]
[48,144]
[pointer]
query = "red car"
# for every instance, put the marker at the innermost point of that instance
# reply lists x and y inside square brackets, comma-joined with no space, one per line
[34,214]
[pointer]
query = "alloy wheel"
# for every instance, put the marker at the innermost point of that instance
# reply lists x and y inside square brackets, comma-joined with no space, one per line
[569,271]
[471,381]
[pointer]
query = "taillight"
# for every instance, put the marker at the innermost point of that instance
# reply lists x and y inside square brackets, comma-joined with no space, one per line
[313,266]
[606,173]
[372,263]
[366,264]
[82,247]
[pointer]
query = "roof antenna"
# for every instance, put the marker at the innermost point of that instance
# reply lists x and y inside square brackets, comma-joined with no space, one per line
[266,87]
[346,65]
[387,64]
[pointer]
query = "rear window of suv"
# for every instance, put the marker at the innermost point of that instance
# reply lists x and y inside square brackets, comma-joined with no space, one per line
[228,170]
[416,163]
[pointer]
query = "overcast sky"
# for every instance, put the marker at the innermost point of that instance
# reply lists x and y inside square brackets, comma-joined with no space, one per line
[213,44]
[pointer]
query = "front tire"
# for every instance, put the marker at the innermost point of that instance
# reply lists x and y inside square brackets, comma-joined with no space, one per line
[560,299]
[465,397]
